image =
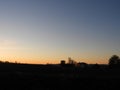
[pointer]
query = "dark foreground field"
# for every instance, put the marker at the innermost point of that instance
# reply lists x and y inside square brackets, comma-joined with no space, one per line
[50,77]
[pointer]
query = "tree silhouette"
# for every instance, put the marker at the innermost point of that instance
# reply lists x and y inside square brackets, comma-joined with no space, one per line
[114,61]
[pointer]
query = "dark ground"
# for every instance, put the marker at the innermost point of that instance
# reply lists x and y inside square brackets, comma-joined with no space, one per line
[50,77]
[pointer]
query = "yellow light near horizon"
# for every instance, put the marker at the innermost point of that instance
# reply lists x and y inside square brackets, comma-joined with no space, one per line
[11,51]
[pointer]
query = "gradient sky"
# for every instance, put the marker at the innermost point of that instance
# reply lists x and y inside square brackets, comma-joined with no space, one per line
[47,31]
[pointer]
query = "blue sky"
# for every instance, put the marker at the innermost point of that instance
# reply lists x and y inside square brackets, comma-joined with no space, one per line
[46,31]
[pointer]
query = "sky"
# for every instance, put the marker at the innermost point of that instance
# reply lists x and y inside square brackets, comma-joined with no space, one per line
[47,31]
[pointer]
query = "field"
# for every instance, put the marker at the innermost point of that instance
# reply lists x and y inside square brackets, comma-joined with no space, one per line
[56,77]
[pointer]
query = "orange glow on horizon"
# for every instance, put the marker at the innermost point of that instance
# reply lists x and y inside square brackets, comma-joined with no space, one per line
[49,61]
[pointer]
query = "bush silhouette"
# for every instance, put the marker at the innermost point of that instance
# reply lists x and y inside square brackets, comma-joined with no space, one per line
[114,61]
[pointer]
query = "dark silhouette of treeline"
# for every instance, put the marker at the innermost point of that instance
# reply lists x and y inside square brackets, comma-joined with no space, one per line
[70,76]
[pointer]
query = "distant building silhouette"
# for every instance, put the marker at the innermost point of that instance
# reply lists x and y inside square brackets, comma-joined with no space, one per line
[62,62]
[71,61]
